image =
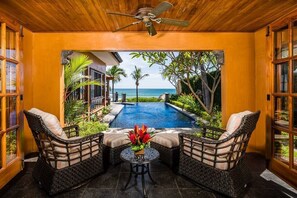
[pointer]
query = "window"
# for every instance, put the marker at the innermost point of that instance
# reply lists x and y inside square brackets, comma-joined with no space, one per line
[96,90]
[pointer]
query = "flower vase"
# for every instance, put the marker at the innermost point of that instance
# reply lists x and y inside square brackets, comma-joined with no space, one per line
[140,152]
[139,155]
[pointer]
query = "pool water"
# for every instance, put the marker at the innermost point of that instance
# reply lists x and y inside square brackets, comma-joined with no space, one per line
[155,115]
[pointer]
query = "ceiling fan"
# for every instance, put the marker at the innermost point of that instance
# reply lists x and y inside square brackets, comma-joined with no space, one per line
[148,15]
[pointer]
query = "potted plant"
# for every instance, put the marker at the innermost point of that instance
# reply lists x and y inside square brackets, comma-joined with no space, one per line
[140,139]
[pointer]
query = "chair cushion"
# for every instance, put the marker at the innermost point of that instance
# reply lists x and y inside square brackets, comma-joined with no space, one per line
[113,140]
[233,123]
[235,120]
[169,140]
[195,151]
[51,122]
[75,156]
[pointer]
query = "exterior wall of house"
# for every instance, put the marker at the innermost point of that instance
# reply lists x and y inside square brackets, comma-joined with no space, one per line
[238,73]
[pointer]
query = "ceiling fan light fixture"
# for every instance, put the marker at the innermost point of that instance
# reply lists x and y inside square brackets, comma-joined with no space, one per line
[148,15]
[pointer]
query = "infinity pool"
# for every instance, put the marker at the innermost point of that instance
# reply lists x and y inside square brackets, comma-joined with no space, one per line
[155,115]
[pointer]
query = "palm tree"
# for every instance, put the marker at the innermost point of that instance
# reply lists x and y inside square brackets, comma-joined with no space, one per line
[74,77]
[137,76]
[115,72]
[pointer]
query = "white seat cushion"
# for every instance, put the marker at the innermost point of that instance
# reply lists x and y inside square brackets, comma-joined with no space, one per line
[169,140]
[208,156]
[115,139]
[51,122]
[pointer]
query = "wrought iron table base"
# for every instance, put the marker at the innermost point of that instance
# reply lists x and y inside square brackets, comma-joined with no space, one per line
[134,169]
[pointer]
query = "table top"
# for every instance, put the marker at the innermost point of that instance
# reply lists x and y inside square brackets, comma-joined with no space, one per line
[150,154]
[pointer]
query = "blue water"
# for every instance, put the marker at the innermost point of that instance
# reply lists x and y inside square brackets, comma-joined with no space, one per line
[152,114]
[131,93]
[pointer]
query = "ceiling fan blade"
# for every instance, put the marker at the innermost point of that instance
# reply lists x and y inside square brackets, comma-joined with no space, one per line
[162,7]
[120,14]
[134,23]
[174,22]
[151,30]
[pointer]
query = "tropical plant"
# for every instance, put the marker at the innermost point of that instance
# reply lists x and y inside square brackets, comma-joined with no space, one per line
[106,110]
[91,127]
[184,65]
[137,76]
[115,72]
[188,100]
[73,111]
[214,120]
[74,77]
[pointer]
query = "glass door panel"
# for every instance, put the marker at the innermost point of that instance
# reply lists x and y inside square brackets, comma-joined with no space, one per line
[281,113]
[281,77]
[294,42]
[11,117]
[10,44]
[295,152]
[1,54]
[10,77]
[295,113]
[282,43]
[281,146]
[11,145]
[0,76]
[294,77]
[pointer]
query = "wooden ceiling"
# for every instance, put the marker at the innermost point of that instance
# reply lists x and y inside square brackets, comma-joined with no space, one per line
[90,15]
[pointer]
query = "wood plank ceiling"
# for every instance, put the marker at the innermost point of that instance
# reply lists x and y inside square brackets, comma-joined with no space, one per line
[90,15]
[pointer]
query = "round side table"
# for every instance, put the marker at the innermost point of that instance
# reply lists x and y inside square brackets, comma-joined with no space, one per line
[140,166]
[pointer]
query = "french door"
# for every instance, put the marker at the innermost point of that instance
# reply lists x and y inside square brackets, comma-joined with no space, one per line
[284,102]
[10,107]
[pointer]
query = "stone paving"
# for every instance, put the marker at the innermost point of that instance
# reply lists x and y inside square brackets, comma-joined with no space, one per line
[170,184]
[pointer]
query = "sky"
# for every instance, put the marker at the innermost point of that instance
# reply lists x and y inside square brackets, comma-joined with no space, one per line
[154,80]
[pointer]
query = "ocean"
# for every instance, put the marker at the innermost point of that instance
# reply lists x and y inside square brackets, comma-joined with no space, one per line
[131,93]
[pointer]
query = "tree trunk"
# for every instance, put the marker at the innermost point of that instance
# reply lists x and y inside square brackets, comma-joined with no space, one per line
[205,91]
[136,93]
[112,90]
[178,87]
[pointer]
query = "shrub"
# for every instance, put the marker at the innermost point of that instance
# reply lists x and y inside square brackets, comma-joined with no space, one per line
[189,100]
[183,106]
[74,109]
[106,110]
[91,127]
[173,97]
[144,99]
[214,120]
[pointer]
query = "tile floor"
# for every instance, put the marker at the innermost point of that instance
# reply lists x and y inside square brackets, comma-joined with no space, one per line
[109,184]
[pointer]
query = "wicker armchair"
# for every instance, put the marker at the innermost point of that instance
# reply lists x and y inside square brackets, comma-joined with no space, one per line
[64,163]
[215,160]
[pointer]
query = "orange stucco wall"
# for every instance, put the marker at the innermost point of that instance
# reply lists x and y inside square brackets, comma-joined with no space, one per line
[44,82]
[262,83]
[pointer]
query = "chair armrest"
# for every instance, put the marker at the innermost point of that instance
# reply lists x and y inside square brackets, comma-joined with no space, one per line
[202,140]
[212,132]
[71,131]
[97,136]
